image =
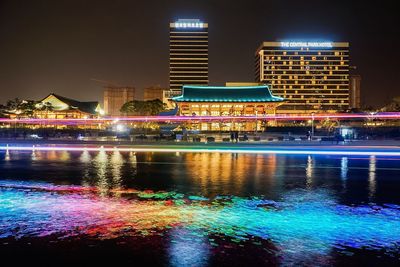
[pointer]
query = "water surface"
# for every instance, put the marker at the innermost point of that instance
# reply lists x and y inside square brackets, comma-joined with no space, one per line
[199,209]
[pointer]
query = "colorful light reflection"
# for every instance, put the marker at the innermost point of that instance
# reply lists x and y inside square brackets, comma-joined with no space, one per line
[303,224]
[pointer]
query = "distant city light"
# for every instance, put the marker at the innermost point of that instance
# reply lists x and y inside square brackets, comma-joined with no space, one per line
[306,44]
[120,128]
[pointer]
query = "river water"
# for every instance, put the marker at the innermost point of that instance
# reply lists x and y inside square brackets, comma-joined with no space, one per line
[199,209]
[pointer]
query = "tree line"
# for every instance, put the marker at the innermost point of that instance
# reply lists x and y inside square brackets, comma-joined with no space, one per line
[23,108]
[143,108]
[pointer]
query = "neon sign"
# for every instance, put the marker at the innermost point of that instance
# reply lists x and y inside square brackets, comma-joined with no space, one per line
[189,23]
[306,44]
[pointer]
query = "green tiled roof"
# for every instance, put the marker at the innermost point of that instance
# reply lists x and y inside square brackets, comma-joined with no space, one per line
[259,93]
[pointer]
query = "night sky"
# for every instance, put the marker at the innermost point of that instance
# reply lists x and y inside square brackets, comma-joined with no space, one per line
[59,46]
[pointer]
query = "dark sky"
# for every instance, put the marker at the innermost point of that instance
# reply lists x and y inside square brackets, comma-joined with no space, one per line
[59,46]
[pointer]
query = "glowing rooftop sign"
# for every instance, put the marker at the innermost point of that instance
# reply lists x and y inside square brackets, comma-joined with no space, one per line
[189,23]
[306,44]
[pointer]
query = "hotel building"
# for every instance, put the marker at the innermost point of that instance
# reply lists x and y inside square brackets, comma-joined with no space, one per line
[240,100]
[188,54]
[311,76]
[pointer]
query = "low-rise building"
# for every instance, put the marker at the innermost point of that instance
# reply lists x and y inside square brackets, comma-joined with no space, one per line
[55,106]
[227,101]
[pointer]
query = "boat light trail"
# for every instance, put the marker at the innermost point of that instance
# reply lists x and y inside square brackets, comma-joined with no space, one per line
[281,117]
[369,151]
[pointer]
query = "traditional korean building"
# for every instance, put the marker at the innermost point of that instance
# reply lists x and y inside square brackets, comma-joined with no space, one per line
[58,107]
[227,101]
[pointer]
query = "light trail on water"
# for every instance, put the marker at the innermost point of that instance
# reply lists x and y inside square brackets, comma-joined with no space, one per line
[280,117]
[353,151]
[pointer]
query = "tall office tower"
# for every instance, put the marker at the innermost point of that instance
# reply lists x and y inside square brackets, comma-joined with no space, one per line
[188,54]
[115,97]
[355,91]
[311,76]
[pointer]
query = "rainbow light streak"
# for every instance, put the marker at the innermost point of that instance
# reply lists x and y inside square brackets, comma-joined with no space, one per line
[301,225]
[352,151]
[339,116]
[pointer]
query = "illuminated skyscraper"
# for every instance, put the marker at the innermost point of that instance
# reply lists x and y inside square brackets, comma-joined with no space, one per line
[188,54]
[311,76]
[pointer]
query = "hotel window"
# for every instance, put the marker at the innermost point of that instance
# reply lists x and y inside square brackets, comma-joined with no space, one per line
[204,106]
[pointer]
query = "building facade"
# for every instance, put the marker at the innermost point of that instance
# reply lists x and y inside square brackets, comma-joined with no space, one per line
[227,101]
[311,76]
[355,91]
[188,54]
[153,92]
[115,97]
[59,107]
